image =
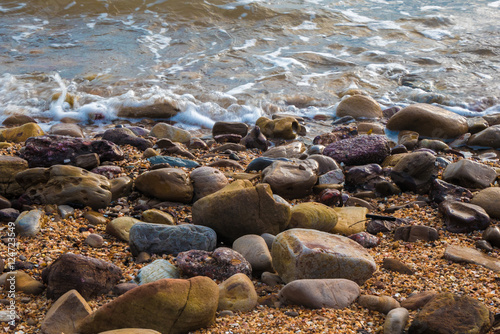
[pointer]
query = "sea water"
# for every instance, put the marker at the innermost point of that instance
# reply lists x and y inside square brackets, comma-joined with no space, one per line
[239,60]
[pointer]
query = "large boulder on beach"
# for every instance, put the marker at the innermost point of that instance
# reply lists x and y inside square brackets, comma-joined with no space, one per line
[241,208]
[171,306]
[359,107]
[291,179]
[313,215]
[303,253]
[64,184]
[415,172]
[166,184]
[46,151]
[469,174]
[360,150]
[489,137]
[9,168]
[488,199]
[89,276]
[449,313]
[336,293]
[166,239]
[429,121]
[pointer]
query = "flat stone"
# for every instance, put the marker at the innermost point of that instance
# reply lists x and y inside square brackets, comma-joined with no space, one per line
[470,255]
[173,161]
[469,174]
[65,314]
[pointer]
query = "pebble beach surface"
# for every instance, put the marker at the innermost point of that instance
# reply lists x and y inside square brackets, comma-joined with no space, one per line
[116,195]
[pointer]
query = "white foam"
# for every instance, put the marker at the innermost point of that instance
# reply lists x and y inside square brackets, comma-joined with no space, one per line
[426,8]
[240,89]
[307,77]
[379,41]
[71,4]
[436,34]
[156,42]
[495,4]
[248,44]
[356,17]
[384,25]
[283,62]
[306,25]
[12,9]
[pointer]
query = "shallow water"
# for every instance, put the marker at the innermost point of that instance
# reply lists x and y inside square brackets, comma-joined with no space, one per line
[238,60]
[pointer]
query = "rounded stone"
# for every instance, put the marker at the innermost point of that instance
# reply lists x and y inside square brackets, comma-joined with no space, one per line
[237,293]
[359,107]
[166,184]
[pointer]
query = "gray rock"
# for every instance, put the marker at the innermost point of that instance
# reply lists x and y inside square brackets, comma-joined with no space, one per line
[325,164]
[319,293]
[442,191]
[254,249]
[124,136]
[158,269]
[396,320]
[412,233]
[165,239]
[29,223]
[364,177]
[293,150]
[463,217]
[415,172]
[488,199]
[332,177]
[469,174]
[94,240]
[489,137]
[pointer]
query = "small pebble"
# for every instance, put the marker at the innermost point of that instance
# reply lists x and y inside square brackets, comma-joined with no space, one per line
[94,240]
[226,314]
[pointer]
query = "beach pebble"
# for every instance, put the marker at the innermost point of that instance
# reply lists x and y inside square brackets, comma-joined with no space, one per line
[156,216]
[121,288]
[254,249]
[291,179]
[20,133]
[166,239]
[325,164]
[462,217]
[303,253]
[365,239]
[120,227]
[488,199]
[284,128]
[292,150]
[178,301]
[270,279]
[382,304]
[206,181]
[361,150]
[89,276]
[237,293]
[156,270]
[221,128]
[469,174]
[94,240]
[125,136]
[95,218]
[359,107]
[66,129]
[220,264]
[332,177]
[255,139]
[9,167]
[23,282]
[442,191]
[396,320]
[412,233]
[320,293]
[492,235]
[29,223]
[166,184]
[65,314]
[364,177]
[172,161]
[489,137]
[175,134]
[449,313]
[395,265]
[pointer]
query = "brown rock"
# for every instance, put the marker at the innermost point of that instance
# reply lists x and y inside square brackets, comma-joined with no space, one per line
[418,300]
[237,293]
[161,110]
[382,304]
[359,107]
[166,184]
[9,167]
[65,314]
[392,264]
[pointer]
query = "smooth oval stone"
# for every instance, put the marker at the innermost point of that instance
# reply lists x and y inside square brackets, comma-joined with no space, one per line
[488,199]
[237,293]
[359,107]
[120,227]
[312,215]
[29,223]
[396,320]
[382,304]
[165,239]
[206,181]
[19,134]
[156,216]
[166,184]
[489,137]
[254,249]
[158,269]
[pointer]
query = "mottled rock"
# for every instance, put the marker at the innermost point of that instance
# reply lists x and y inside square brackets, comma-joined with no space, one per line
[302,253]
[418,300]
[293,179]
[166,184]
[382,304]
[206,181]
[359,150]
[320,293]
[469,174]
[65,314]
[65,185]
[29,223]
[449,313]
[157,270]
[256,210]
[237,293]
[164,130]
[220,264]
[359,107]
[396,320]
[124,136]
[412,233]
[165,239]
[312,215]
[292,150]
[488,199]
[9,167]
[46,151]
[443,191]
[471,255]
[21,133]
[285,128]
[415,172]
[395,265]
[365,239]
[89,276]
[429,121]
[254,249]
[463,217]
[184,305]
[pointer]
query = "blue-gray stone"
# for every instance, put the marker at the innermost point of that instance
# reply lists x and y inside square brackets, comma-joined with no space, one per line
[173,161]
[157,270]
[261,163]
[166,239]
[29,223]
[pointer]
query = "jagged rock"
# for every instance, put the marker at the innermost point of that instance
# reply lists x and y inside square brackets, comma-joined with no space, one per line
[442,191]
[65,314]
[463,217]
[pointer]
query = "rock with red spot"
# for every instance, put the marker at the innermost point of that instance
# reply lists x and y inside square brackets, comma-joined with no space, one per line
[365,239]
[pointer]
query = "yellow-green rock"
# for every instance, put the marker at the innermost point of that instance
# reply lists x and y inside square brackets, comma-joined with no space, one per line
[156,216]
[314,216]
[19,134]
[237,293]
[285,128]
[120,227]
[351,220]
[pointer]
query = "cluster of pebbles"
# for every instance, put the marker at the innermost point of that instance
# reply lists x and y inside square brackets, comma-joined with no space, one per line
[294,225]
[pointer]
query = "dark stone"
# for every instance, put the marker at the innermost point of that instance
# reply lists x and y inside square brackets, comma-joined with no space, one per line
[222,128]
[89,276]
[8,215]
[379,226]
[442,191]
[220,264]
[4,203]
[331,197]
[173,161]
[386,188]
[359,150]
[125,136]
[449,313]
[399,149]
[492,235]
[412,233]
[364,177]
[365,239]
[484,245]
[45,151]
[418,300]
[415,172]
[255,139]
[261,163]
[167,239]
[463,217]
[395,265]
[469,174]
[121,288]
[227,138]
